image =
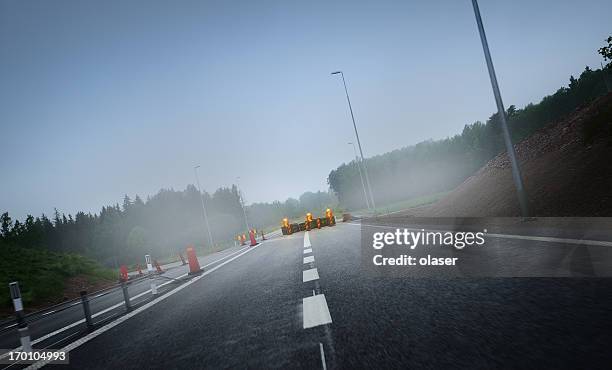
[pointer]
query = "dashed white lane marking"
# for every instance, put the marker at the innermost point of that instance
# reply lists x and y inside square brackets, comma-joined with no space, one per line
[596,243]
[322,356]
[308,259]
[307,250]
[123,318]
[307,240]
[315,311]
[310,275]
[76,323]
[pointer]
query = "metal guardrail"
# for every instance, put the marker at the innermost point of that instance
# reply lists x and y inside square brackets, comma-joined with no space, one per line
[90,308]
[89,301]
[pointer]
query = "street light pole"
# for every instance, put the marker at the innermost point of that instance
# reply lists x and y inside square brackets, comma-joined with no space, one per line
[516,170]
[240,198]
[210,238]
[365,193]
[365,170]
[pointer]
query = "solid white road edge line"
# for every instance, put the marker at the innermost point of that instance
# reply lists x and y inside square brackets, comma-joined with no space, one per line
[49,335]
[129,315]
[596,243]
[315,311]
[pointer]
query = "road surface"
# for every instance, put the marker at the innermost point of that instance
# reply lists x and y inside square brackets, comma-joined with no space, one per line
[267,307]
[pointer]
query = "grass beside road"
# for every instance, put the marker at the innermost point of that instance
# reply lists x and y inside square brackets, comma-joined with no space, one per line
[43,276]
[405,204]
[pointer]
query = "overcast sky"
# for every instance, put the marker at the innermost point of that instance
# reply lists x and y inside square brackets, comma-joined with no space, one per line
[103,98]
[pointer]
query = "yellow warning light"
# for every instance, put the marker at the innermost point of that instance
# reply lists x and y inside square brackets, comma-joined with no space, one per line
[308,216]
[285,222]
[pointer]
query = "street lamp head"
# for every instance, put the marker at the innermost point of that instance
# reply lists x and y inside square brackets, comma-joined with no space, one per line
[198,166]
[337,72]
[350,143]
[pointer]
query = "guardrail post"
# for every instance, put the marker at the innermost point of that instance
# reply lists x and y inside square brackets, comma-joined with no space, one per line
[126,296]
[22,325]
[151,277]
[86,310]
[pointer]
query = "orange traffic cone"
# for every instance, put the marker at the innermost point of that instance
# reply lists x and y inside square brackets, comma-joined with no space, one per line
[252,237]
[123,273]
[194,265]
[158,267]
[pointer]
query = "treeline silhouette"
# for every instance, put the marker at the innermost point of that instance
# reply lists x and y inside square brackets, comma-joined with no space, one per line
[440,165]
[162,225]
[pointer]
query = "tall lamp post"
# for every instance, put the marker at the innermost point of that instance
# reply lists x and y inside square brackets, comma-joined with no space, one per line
[365,193]
[241,199]
[516,169]
[210,238]
[365,170]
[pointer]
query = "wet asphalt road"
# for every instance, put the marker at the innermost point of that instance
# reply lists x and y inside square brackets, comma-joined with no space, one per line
[248,313]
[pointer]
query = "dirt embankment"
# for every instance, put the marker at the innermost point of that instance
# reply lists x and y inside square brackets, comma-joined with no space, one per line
[563,175]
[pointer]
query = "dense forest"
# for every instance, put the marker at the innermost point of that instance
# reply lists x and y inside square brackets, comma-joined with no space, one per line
[161,225]
[435,166]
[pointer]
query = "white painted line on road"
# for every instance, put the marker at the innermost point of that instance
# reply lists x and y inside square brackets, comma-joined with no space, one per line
[322,356]
[76,323]
[308,259]
[315,311]
[129,315]
[307,250]
[307,240]
[596,243]
[310,275]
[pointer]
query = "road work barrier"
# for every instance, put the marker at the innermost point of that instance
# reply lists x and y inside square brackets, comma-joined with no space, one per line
[194,265]
[309,223]
[150,273]
[252,237]
[123,273]
[22,325]
[158,267]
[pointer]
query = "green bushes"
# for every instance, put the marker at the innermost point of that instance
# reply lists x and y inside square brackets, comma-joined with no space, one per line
[42,274]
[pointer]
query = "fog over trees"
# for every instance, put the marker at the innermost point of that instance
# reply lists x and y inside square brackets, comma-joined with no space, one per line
[161,225]
[440,165]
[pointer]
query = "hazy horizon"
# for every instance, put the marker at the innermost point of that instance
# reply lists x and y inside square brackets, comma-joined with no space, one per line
[105,99]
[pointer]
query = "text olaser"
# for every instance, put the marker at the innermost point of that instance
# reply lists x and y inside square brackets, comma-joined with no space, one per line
[405,260]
